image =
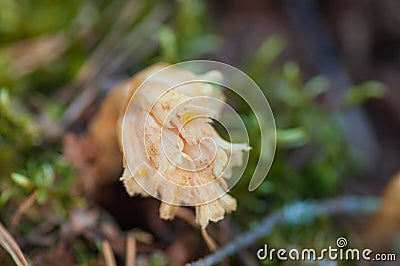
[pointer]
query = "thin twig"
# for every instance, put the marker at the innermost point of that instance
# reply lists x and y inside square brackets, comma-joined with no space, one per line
[297,213]
[22,209]
[11,246]
[108,254]
[102,53]
[130,250]
[127,45]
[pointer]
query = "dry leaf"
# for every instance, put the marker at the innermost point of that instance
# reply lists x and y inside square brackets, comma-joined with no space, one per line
[384,231]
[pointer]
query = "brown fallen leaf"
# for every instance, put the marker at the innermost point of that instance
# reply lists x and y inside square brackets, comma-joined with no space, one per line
[384,231]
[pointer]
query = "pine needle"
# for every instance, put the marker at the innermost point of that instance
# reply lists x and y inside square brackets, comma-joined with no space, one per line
[11,246]
[130,250]
[108,254]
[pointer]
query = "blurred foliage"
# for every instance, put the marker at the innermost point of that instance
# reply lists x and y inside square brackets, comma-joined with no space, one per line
[312,157]
[26,166]
[45,45]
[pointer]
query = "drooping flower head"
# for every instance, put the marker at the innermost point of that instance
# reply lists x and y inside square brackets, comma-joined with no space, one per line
[171,149]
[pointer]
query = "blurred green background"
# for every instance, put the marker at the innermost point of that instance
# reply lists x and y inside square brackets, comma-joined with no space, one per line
[53,52]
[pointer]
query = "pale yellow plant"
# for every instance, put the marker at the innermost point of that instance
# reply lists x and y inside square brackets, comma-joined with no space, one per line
[172,144]
[171,151]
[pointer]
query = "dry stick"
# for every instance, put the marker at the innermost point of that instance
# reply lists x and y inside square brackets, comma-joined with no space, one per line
[11,246]
[139,41]
[29,55]
[125,47]
[297,213]
[22,209]
[102,53]
[108,254]
[130,250]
